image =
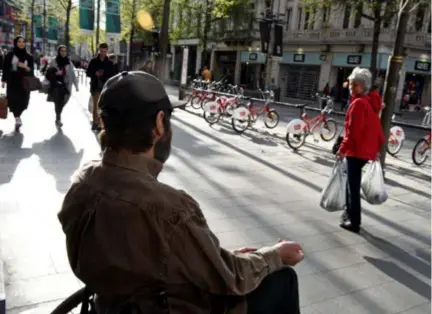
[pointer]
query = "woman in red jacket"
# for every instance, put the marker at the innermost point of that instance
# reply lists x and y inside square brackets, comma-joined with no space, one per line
[362,142]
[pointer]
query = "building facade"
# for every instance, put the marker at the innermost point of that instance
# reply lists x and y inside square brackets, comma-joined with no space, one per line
[319,47]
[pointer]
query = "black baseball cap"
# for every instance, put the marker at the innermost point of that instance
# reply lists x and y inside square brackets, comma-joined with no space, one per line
[130,96]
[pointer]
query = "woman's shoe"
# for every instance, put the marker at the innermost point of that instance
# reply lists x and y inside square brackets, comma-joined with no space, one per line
[347,225]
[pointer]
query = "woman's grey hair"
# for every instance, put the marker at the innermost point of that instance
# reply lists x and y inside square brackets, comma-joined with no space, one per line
[363,76]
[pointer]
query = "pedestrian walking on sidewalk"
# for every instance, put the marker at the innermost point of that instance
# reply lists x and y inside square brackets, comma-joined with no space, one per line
[99,70]
[17,65]
[362,142]
[145,247]
[61,75]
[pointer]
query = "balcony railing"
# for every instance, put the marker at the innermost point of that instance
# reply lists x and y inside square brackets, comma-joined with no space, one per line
[239,34]
[355,36]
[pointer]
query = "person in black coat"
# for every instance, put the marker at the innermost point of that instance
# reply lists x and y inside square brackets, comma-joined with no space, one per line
[17,64]
[99,70]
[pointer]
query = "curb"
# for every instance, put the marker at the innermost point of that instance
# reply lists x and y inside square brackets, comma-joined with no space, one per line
[2,290]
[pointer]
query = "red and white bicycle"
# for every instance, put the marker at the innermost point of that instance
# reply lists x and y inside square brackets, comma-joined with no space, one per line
[299,129]
[222,106]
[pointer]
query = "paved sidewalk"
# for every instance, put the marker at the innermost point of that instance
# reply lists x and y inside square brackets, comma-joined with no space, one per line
[253,190]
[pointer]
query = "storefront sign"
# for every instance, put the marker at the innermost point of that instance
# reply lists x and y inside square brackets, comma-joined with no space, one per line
[253,57]
[354,59]
[299,57]
[323,57]
[422,66]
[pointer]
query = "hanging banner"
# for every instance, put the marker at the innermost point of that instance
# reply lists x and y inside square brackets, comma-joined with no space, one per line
[37,24]
[52,28]
[86,16]
[113,18]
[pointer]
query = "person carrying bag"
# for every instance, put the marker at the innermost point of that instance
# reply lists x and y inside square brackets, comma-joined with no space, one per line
[362,141]
[17,68]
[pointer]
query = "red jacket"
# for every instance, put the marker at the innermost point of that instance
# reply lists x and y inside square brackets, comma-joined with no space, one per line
[363,136]
[376,100]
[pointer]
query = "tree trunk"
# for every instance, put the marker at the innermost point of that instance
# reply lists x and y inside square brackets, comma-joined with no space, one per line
[163,41]
[44,35]
[392,77]
[67,24]
[131,36]
[375,41]
[207,21]
[98,11]
[32,33]
[132,33]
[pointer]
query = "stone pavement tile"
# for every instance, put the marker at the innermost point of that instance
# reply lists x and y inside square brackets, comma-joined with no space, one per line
[28,267]
[41,289]
[386,298]
[41,308]
[422,309]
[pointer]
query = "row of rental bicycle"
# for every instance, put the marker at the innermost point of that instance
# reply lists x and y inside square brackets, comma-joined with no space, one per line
[243,114]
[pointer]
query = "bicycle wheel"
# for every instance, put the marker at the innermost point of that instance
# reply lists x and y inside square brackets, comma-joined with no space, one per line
[73,302]
[240,125]
[211,117]
[272,119]
[420,152]
[295,141]
[330,132]
[394,145]
[196,102]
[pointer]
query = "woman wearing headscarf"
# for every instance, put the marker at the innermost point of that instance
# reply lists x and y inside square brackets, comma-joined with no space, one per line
[17,64]
[61,75]
[362,142]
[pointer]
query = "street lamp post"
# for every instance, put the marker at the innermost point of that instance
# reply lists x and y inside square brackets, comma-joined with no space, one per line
[271,19]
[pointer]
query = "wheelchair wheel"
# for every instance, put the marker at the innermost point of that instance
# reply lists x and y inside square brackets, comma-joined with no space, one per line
[72,303]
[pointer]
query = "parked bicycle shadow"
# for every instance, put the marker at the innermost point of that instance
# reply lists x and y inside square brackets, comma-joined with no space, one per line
[408,172]
[59,158]
[11,154]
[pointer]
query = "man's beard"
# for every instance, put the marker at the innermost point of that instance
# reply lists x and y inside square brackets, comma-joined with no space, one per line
[162,148]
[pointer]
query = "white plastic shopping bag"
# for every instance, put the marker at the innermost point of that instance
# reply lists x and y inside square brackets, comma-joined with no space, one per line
[373,187]
[333,195]
[90,104]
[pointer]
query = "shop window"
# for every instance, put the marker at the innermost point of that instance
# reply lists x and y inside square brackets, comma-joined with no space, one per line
[358,15]
[420,17]
[299,18]
[288,18]
[347,15]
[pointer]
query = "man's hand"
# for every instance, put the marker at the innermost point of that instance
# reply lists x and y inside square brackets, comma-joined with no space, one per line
[245,250]
[99,73]
[291,253]
[3,84]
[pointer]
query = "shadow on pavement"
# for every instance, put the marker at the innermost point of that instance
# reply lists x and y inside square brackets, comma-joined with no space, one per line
[408,172]
[11,154]
[401,276]
[231,197]
[59,158]
[399,254]
[408,188]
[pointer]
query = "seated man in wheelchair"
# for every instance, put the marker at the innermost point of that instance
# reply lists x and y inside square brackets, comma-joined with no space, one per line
[145,247]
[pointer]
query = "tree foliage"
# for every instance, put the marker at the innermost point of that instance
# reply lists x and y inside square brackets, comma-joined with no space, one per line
[196,18]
